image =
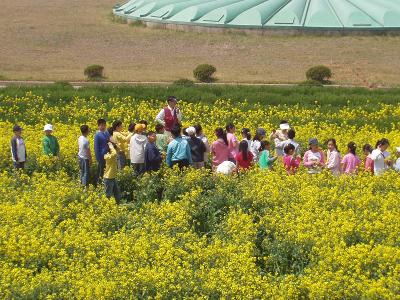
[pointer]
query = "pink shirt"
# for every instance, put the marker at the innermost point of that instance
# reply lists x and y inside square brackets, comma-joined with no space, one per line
[350,163]
[220,152]
[233,145]
[369,164]
[291,164]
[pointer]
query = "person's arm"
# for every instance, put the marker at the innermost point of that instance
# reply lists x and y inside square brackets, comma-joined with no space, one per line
[89,153]
[111,153]
[160,117]
[343,164]
[14,149]
[179,114]
[189,153]
[295,162]
[169,156]
[279,143]
[96,147]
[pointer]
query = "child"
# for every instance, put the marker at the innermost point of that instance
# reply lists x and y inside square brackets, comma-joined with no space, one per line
[256,143]
[18,149]
[152,156]
[290,162]
[396,166]
[350,161]
[333,157]
[314,158]
[369,162]
[110,174]
[244,157]
[197,148]
[200,135]
[233,143]
[84,155]
[162,138]
[380,157]
[178,152]
[291,134]
[219,148]
[136,148]
[266,160]
[50,142]
[246,136]
[122,141]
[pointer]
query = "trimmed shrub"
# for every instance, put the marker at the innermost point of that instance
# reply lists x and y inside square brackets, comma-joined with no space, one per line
[184,82]
[204,73]
[94,72]
[319,73]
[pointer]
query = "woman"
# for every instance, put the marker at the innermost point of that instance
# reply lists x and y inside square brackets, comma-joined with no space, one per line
[314,158]
[122,140]
[333,157]
[220,149]
[380,157]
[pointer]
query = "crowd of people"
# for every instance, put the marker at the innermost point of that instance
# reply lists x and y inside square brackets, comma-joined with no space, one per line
[144,150]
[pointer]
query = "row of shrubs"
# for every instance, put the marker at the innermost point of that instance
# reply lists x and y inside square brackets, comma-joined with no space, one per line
[316,75]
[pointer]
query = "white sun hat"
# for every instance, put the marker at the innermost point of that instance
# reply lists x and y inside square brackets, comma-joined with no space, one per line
[398,149]
[284,126]
[48,127]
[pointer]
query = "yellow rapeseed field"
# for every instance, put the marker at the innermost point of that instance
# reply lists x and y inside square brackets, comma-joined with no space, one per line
[196,235]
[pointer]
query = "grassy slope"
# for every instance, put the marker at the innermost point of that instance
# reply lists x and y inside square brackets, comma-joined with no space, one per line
[57,39]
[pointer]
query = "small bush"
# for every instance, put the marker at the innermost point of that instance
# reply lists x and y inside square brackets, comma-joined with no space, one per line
[94,72]
[204,73]
[321,74]
[184,82]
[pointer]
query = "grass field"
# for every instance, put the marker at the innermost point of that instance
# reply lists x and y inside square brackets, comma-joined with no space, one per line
[55,40]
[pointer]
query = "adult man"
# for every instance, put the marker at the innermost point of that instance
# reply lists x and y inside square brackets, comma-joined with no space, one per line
[170,115]
[101,139]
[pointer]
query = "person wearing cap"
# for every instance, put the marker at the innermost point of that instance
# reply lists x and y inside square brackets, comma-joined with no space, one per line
[396,165]
[279,136]
[178,151]
[18,148]
[136,149]
[50,142]
[314,158]
[256,143]
[197,148]
[170,115]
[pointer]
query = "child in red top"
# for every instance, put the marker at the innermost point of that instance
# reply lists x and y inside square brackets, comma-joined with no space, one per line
[290,162]
[369,162]
[244,158]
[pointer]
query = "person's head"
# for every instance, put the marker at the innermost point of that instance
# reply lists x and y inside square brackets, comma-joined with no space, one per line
[199,129]
[101,124]
[230,128]
[131,127]
[48,129]
[221,134]
[313,144]
[382,144]
[184,132]
[140,128]
[117,126]
[289,149]
[144,122]
[244,148]
[264,145]
[331,144]
[160,129]
[291,133]
[367,149]
[171,101]
[85,130]
[246,133]
[260,134]
[284,126]
[17,130]
[151,136]
[351,147]
[191,131]
[176,131]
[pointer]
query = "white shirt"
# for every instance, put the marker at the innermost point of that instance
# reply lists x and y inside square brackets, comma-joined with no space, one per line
[254,149]
[161,115]
[379,161]
[20,150]
[396,165]
[226,168]
[83,146]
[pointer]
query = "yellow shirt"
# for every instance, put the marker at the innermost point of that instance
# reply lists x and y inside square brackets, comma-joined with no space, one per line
[122,140]
[111,164]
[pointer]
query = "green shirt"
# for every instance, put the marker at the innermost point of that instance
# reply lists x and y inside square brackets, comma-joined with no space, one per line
[161,142]
[50,145]
[265,160]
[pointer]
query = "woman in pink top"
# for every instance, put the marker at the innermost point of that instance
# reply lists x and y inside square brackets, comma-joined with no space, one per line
[350,161]
[233,143]
[219,148]
[333,158]
[314,158]
[290,162]
[369,162]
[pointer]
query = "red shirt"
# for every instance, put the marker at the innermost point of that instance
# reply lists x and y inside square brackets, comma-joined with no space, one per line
[244,164]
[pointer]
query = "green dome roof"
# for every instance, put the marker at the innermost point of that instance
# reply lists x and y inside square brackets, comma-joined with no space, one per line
[338,14]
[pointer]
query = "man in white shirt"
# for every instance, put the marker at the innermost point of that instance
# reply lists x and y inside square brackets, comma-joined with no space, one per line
[379,156]
[84,155]
[170,115]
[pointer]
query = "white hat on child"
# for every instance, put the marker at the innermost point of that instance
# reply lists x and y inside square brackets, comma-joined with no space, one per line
[284,126]
[398,149]
[48,127]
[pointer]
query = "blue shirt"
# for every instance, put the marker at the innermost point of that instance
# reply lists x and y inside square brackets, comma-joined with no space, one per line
[101,144]
[177,150]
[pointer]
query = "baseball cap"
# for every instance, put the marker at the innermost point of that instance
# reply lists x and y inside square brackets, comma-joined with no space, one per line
[261,132]
[17,128]
[313,141]
[48,127]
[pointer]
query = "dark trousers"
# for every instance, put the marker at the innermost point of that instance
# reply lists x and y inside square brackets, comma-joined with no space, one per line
[138,168]
[112,189]
[84,171]
[183,163]
[19,165]
[101,166]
